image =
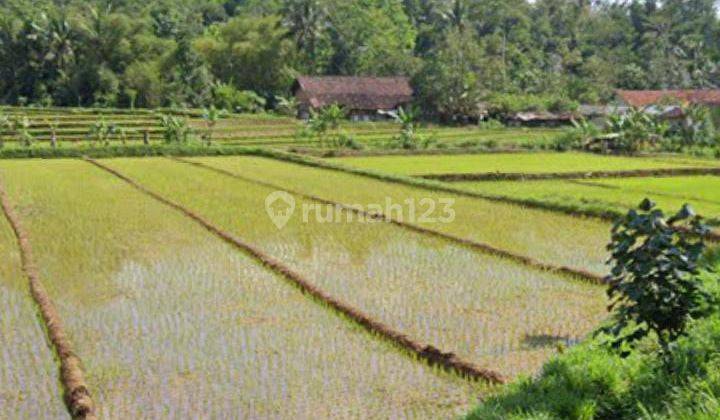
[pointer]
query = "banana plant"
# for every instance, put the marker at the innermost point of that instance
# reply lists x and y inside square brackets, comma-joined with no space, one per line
[26,137]
[211,116]
[53,126]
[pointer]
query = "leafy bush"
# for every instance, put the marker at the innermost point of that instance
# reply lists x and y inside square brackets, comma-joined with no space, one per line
[503,105]
[175,129]
[491,124]
[100,131]
[226,96]
[23,128]
[324,125]
[635,130]
[697,127]
[580,136]
[286,106]
[653,286]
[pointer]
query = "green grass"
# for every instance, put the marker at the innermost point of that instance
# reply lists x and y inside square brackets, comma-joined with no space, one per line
[612,196]
[171,322]
[498,314]
[590,382]
[511,163]
[29,384]
[547,236]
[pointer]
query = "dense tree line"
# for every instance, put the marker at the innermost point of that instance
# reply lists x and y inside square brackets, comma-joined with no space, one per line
[458,52]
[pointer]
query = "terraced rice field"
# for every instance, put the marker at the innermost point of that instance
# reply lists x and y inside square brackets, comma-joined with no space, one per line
[268,130]
[515,163]
[171,322]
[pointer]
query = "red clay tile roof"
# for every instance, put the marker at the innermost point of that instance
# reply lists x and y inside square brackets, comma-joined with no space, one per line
[359,93]
[643,98]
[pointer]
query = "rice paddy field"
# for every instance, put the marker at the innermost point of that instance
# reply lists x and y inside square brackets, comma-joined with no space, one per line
[184,299]
[170,321]
[517,163]
[614,195]
[547,179]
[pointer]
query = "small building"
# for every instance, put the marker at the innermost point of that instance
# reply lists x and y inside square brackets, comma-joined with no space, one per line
[645,98]
[540,119]
[668,103]
[363,98]
[599,114]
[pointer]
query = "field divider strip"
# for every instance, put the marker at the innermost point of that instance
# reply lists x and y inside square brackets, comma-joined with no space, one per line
[534,176]
[427,352]
[437,186]
[479,246]
[76,392]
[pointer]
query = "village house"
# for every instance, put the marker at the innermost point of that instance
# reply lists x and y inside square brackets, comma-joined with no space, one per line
[667,103]
[363,98]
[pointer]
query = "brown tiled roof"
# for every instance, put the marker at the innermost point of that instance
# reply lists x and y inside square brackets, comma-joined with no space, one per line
[643,98]
[360,93]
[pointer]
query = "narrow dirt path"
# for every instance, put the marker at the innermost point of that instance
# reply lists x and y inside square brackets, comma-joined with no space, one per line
[77,395]
[429,353]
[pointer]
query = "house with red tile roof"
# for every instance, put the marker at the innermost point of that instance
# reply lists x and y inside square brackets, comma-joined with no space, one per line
[363,98]
[645,98]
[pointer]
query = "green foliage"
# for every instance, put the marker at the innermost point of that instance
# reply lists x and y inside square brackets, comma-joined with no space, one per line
[324,126]
[409,138]
[227,97]
[151,54]
[101,131]
[590,381]
[175,129]
[634,131]
[504,105]
[450,82]
[580,136]
[23,129]
[210,116]
[654,287]
[697,127]
[251,53]
[287,106]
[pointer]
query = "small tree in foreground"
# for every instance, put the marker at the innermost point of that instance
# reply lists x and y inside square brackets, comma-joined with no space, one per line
[654,287]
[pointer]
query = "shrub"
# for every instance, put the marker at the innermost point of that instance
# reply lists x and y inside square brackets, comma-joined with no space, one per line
[580,136]
[653,285]
[175,129]
[286,106]
[226,96]
[635,131]
[100,131]
[324,125]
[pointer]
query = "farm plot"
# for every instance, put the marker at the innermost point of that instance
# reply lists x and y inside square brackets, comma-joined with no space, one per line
[550,237]
[614,195]
[514,163]
[29,383]
[500,315]
[171,322]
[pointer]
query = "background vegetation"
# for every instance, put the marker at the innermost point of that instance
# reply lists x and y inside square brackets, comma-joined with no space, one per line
[244,53]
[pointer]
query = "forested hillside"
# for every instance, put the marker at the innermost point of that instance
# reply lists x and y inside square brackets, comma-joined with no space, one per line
[194,52]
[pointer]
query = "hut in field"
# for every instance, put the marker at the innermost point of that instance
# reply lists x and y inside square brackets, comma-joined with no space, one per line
[363,98]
